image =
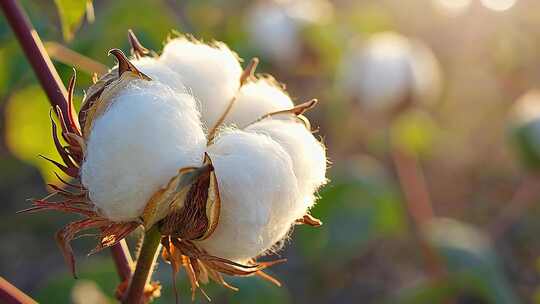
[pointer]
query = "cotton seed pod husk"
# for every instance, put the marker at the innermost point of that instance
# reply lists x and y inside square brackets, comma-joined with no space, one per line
[189,205]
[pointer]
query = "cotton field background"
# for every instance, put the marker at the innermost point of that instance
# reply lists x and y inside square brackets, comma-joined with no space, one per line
[429,111]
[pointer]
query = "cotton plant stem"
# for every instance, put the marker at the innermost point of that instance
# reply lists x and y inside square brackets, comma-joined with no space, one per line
[54,88]
[145,264]
[418,205]
[10,294]
[526,194]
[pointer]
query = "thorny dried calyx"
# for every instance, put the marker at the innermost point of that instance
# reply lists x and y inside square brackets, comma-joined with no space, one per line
[240,187]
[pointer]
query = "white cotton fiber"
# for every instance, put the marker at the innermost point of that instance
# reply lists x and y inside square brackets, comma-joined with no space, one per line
[210,72]
[134,148]
[307,153]
[156,70]
[257,98]
[258,191]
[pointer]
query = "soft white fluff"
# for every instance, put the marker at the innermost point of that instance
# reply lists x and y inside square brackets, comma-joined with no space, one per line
[211,73]
[255,99]
[258,191]
[137,145]
[307,153]
[387,69]
[156,70]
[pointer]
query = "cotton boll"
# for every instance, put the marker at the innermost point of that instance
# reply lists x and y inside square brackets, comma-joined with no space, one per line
[148,133]
[210,72]
[273,32]
[258,190]
[156,70]
[388,70]
[309,11]
[255,99]
[307,153]
[275,26]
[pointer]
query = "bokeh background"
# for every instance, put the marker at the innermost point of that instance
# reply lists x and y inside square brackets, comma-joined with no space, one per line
[458,224]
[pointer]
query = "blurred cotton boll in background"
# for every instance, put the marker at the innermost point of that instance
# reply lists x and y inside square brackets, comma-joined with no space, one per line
[389,70]
[498,5]
[275,26]
[88,292]
[452,7]
[525,128]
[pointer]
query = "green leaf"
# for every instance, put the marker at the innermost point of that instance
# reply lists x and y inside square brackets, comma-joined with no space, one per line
[71,13]
[59,287]
[28,130]
[467,251]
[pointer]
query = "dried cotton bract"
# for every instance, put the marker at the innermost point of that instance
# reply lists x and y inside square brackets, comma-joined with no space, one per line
[220,199]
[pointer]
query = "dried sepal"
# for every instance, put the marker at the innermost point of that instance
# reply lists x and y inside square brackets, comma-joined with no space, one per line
[297,111]
[309,220]
[113,233]
[64,154]
[98,96]
[73,119]
[92,95]
[104,100]
[213,206]
[189,221]
[68,233]
[137,49]
[124,65]
[200,266]
[67,206]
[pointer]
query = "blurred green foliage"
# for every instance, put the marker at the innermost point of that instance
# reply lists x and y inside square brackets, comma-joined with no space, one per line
[71,13]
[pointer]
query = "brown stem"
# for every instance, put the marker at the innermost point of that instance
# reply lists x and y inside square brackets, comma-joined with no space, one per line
[10,294]
[418,206]
[53,87]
